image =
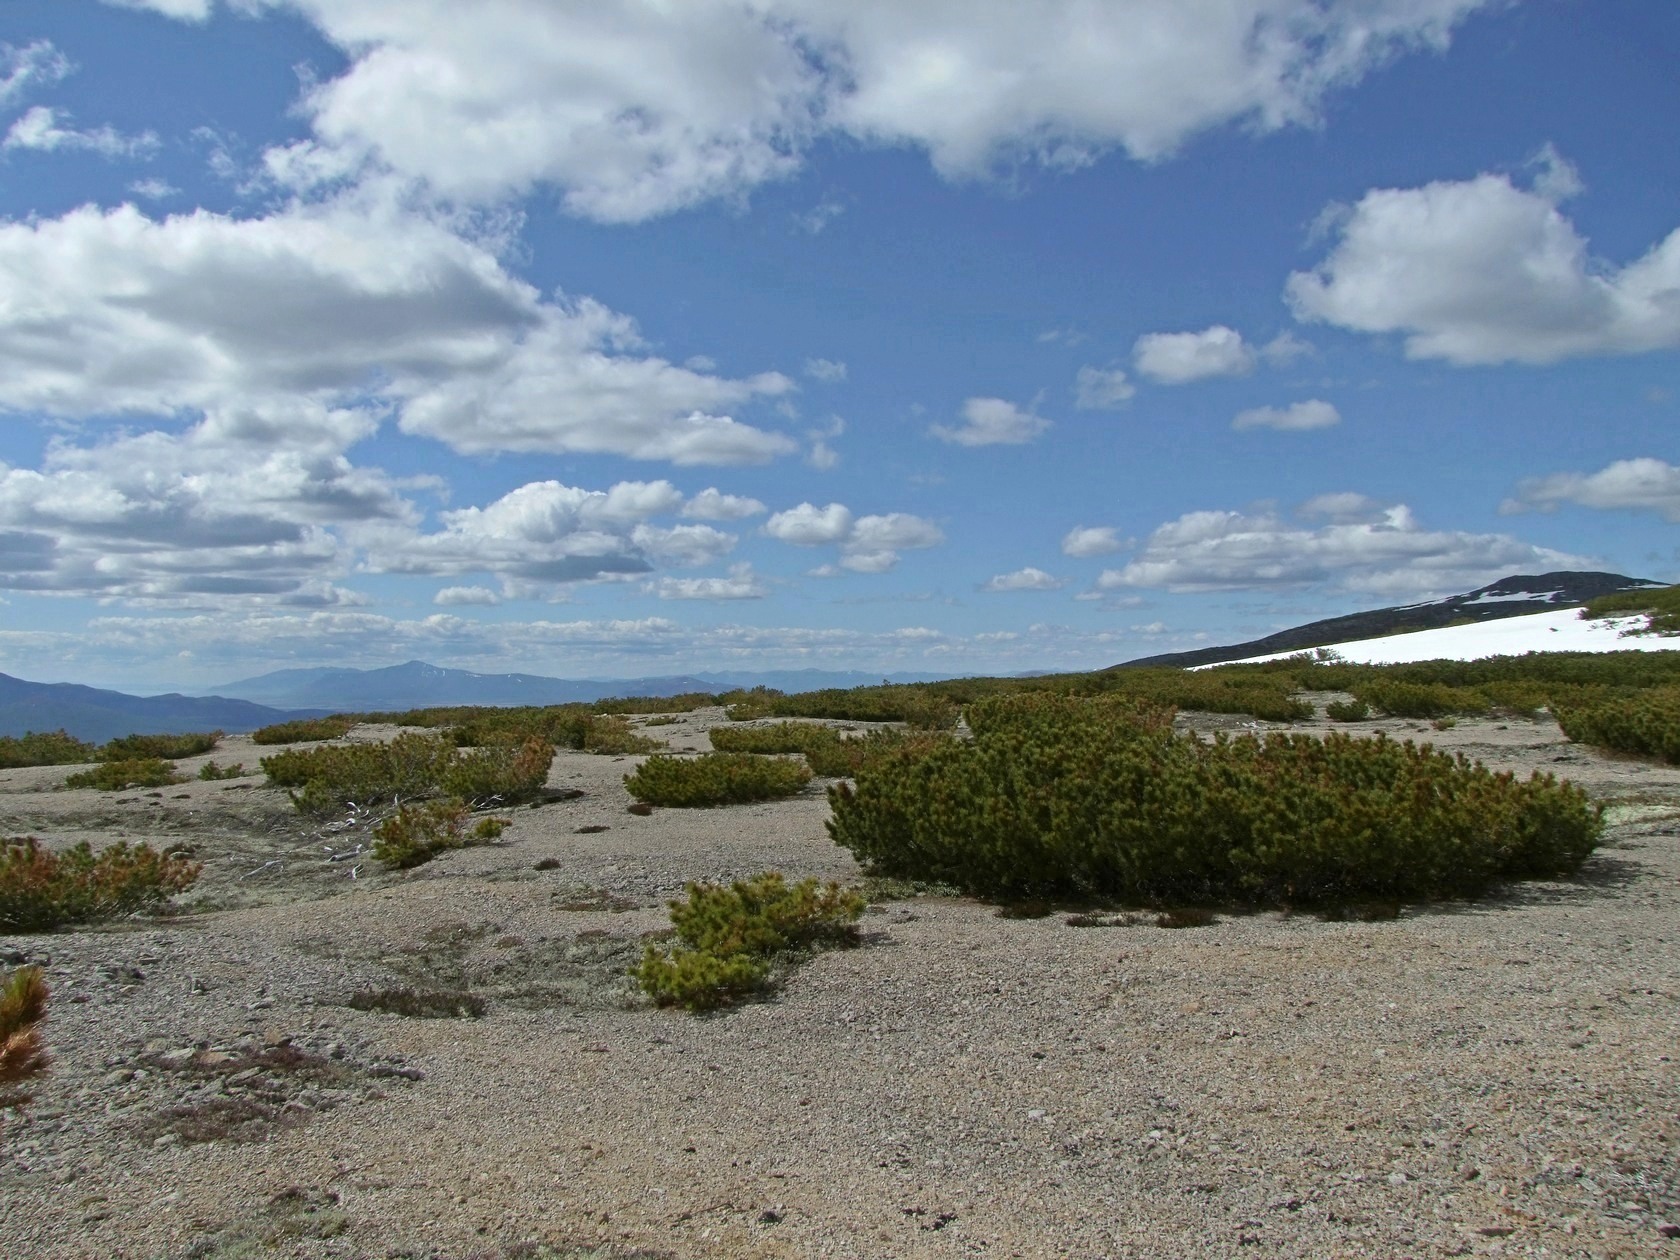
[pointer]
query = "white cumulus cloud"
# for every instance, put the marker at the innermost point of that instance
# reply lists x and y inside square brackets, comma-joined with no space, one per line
[810,526]
[1315,413]
[36,64]
[868,544]
[1179,358]
[1645,484]
[1387,552]
[1027,579]
[1091,540]
[711,504]
[1482,271]
[630,109]
[40,129]
[992,422]
[466,596]
[112,312]
[742,583]
[1101,389]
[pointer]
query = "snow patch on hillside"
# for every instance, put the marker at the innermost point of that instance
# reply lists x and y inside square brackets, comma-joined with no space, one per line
[1560,630]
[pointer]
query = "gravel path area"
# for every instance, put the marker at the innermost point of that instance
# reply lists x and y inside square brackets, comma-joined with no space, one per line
[1469,1079]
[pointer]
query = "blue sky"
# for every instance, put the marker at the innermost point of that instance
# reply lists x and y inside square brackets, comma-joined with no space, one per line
[615,339]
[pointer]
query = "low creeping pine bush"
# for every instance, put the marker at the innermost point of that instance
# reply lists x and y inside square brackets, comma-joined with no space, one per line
[781,737]
[729,939]
[418,833]
[43,748]
[40,889]
[327,780]
[575,726]
[1421,700]
[164,747]
[716,778]
[23,1055]
[210,771]
[1347,711]
[306,730]
[114,776]
[1079,803]
[1646,723]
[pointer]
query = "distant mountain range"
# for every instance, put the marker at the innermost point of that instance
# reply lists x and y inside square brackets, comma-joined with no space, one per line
[417,685]
[97,715]
[1513,596]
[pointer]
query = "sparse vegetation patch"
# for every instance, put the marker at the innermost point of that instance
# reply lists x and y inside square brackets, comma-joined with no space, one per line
[729,938]
[166,747]
[40,889]
[306,730]
[116,776]
[716,778]
[43,748]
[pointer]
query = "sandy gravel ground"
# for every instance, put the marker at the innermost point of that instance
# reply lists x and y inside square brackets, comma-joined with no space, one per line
[1492,1078]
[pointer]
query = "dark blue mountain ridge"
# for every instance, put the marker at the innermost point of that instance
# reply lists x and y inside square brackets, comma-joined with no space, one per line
[416,684]
[97,715]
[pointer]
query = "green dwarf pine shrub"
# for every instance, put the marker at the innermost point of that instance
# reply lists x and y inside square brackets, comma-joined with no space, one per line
[23,1055]
[115,776]
[40,889]
[715,778]
[1646,723]
[330,779]
[43,748]
[729,938]
[1081,804]
[781,737]
[503,774]
[418,833]
[842,758]
[210,771]
[1347,711]
[167,747]
[1421,700]
[306,730]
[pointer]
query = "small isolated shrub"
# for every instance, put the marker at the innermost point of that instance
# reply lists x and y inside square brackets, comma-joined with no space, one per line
[715,778]
[1347,711]
[328,780]
[167,747]
[781,737]
[1186,917]
[114,776]
[503,774]
[23,1055]
[40,889]
[43,748]
[487,830]
[729,938]
[615,737]
[419,1003]
[210,772]
[1646,723]
[418,833]
[305,730]
[1421,700]
[1444,724]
